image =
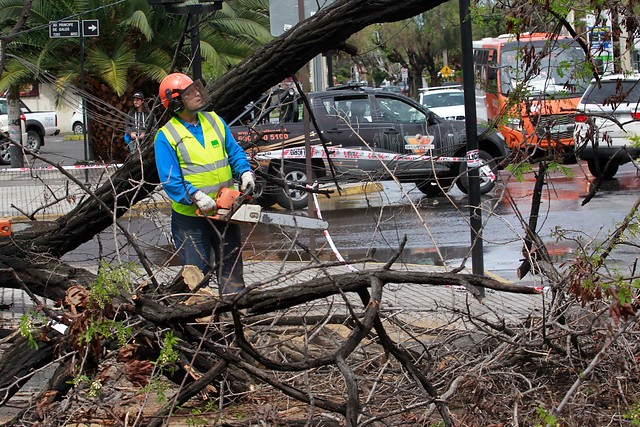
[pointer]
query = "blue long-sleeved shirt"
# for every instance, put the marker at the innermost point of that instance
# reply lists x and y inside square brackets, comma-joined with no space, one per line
[168,166]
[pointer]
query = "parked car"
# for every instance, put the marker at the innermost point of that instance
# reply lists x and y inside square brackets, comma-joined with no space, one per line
[365,120]
[77,123]
[608,124]
[445,101]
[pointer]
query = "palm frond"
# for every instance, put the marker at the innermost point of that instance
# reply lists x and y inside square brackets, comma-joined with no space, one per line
[140,21]
[112,67]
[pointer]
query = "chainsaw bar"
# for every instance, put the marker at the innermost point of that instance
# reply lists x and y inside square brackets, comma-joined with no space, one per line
[231,207]
[254,214]
[295,221]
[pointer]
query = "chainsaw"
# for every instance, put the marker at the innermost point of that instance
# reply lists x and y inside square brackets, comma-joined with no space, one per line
[231,207]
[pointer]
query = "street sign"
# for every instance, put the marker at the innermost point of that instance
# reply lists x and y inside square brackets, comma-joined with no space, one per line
[60,29]
[90,27]
[446,72]
[283,14]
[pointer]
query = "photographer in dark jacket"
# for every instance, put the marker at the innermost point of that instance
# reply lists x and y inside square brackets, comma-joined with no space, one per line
[139,119]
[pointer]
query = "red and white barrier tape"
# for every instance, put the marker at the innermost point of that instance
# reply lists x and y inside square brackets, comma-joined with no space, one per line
[327,236]
[318,152]
[472,159]
[54,168]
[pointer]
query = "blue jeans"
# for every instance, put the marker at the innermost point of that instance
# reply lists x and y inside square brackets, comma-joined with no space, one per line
[196,237]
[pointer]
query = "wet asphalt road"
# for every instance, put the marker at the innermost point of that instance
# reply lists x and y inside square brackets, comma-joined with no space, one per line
[360,225]
[437,229]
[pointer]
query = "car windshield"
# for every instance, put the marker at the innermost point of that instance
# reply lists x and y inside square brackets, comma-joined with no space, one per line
[614,93]
[397,111]
[435,100]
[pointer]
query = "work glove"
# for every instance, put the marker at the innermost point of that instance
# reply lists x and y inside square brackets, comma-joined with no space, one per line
[204,202]
[247,182]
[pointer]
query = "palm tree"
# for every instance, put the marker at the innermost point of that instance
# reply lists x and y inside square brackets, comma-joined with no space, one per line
[135,49]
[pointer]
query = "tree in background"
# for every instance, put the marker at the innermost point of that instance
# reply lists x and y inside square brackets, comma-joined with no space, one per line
[417,44]
[420,44]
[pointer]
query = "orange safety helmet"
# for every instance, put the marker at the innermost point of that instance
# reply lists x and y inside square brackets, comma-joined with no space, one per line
[178,91]
[172,86]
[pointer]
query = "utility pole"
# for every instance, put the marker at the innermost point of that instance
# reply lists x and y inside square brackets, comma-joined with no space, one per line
[304,81]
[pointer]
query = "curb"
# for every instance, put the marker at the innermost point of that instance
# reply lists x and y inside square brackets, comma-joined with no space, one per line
[352,189]
[73,137]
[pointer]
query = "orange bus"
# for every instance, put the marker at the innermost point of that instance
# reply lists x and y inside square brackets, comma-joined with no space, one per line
[529,88]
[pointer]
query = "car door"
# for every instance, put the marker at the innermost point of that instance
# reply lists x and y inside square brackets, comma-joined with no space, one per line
[612,104]
[351,126]
[400,118]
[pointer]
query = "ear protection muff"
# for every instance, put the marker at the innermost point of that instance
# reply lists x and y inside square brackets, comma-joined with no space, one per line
[175,104]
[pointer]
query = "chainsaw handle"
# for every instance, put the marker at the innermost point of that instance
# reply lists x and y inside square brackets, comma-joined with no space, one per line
[215,214]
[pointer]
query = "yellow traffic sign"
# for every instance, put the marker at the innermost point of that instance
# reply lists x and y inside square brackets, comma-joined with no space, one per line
[446,71]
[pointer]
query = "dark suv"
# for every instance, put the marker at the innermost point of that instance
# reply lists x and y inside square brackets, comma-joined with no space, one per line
[361,119]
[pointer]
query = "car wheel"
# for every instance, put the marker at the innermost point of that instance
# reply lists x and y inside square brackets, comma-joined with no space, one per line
[430,188]
[597,167]
[78,128]
[294,173]
[5,157]
[34,141]
[486,183]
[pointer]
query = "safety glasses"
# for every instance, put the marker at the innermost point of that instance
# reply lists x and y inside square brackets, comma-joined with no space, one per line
[195,97]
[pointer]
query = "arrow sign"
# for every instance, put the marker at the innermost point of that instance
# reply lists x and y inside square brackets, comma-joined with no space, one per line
[64,29]
[90,27]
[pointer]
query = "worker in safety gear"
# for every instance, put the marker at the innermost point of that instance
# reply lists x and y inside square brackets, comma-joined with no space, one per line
[196,156]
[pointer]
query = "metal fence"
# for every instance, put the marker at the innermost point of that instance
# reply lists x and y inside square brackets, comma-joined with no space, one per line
[41,193]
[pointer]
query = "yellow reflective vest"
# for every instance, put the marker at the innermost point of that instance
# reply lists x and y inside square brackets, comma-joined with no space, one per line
[206,168]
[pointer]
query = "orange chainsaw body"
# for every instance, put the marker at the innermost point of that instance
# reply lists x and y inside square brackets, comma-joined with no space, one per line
[230,201]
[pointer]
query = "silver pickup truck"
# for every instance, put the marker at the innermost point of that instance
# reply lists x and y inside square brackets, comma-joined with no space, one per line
[38,123]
